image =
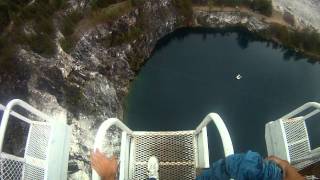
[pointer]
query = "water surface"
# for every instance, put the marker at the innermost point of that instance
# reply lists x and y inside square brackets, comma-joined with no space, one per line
[193,72]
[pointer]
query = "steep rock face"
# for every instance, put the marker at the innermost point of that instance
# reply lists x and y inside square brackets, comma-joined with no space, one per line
[306,12]
[88,85]
[227,19]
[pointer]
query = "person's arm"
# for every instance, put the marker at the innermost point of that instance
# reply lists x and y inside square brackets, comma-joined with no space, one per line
[106,167]
[289,172]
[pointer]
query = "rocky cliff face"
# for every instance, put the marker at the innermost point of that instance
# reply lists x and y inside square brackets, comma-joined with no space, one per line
[88,85]
[306,12]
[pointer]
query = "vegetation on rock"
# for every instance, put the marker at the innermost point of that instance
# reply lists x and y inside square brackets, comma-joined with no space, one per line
[184,7]
[262,6]
[306,40]
[29,24]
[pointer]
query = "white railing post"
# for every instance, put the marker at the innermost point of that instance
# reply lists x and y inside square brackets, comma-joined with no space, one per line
[8,111]
[100,137]
[223,131]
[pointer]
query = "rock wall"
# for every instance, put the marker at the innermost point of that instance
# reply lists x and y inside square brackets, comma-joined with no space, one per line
[306,12]
[89,85]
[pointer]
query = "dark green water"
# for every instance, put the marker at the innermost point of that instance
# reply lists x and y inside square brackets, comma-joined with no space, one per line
[192,72]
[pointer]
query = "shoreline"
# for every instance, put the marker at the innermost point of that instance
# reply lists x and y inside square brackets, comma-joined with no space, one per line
[274,19]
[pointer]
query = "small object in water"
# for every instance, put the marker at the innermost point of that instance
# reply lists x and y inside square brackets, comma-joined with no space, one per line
[238,77]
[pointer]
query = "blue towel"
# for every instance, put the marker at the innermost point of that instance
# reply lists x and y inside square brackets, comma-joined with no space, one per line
[248,166]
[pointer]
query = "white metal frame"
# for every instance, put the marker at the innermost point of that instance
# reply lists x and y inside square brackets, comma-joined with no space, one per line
[200,133]
[8,111]
[124,143]
[223,131]
[56,162]
[277,143]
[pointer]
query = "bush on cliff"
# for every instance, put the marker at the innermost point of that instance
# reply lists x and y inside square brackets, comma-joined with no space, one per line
[307,40]
[184,7]
[263,6]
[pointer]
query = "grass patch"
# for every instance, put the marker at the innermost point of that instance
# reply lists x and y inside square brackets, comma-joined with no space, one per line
[125,37]
[40,34]
[69,24]
[111,12]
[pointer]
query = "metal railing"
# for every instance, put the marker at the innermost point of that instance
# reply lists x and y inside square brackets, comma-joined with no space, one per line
[223,131]
[314,154]
[8,111]
[288,137]
[200,132]
[46,150]
[302,108]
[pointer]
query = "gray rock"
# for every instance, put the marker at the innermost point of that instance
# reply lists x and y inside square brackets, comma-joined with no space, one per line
[88,85]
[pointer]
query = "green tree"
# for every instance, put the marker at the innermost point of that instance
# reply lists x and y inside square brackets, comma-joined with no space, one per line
[263,6]
[184,7]
[210,5]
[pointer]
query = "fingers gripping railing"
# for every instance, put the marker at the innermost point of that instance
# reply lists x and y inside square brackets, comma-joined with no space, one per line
[101,134]
[223,131]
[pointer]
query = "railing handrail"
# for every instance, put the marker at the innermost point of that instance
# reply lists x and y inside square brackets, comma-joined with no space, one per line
[223,131]
[105,126]
[101,135]
[303,108]
[8,111]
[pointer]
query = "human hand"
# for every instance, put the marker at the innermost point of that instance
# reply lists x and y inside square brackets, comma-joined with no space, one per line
[106,167]
[289,172]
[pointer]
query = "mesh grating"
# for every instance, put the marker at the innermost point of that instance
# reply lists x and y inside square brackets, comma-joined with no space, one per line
[298,150]
[298,141]
[174,150]
[33,173]
[167,172]
[295,130]
[10,169]
[38,141]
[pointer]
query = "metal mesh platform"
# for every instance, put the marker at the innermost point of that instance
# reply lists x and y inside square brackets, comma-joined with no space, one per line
[298,141]
[32,166]
[46,149]
[179,153]
[10,167]
[287,137]
[176,152]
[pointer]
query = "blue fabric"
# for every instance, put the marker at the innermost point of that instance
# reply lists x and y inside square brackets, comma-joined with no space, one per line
[248,166]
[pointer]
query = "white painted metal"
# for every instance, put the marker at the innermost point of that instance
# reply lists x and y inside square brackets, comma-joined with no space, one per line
[47,147]
[223,131]
[276,140]
[301,109]
[101,135]
[202,140]
[288,137]
[135,145]
[123,154]
[8,109]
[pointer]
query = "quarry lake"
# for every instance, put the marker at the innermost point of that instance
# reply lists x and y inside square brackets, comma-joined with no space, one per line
[193,72]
